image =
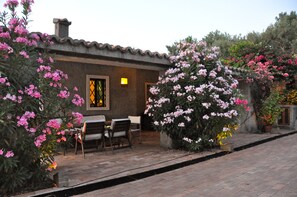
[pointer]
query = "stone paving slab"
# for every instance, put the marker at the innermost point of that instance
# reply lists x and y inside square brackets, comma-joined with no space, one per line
[267,170]
[75,171]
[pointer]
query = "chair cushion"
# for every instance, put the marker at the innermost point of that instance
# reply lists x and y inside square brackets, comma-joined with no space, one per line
[91,137]
[135,119]
[117,134]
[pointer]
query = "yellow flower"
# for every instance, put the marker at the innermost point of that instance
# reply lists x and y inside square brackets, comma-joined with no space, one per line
[228,130]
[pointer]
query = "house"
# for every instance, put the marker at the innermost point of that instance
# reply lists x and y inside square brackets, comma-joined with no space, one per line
[113,80]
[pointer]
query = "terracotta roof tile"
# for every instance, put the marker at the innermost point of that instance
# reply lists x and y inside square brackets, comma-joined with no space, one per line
[100,46]
[105,46]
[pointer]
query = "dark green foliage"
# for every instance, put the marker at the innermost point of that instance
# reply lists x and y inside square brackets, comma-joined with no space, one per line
[281,37]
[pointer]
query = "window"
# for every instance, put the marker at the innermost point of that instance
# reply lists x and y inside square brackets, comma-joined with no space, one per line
[97,89]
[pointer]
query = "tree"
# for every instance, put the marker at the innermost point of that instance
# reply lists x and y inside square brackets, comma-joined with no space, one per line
[254,37]
[221,40]
[281,37]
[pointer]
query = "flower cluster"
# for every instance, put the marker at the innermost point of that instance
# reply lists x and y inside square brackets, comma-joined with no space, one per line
[32,91]
[23,120]
[78,100]
[6,154]
[242,102]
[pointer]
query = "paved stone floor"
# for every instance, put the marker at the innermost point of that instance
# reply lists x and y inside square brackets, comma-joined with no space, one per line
[99,166]
[266,170]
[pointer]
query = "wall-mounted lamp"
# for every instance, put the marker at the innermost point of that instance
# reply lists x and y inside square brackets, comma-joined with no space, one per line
[124,81]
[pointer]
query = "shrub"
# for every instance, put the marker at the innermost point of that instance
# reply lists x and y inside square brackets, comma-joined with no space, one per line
[271,108]
[196,99]
[32,94]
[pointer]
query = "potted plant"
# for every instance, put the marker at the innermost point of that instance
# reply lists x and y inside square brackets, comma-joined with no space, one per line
[271,110]
[227,132]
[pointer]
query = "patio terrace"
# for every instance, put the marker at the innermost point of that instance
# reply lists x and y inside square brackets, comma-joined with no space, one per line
[101,168]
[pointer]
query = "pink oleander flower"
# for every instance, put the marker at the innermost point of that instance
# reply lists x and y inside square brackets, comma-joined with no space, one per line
[32,43]
[11,3]
[51,60]
[24,54]
[10,97]
[5,47]
[32,91]
[234,85]
[40,60]
[77,100]
[64,94]
[56,76]
[23,120]
[3,80]
[35,37]
[13,22]
[47,131]
[9,154]
[1,152]
[5,35]
[29,114]
[38,140]
[239,101]
[43,68]
[21,40]
[77,117]
[54,123]
[285,74]
[20,30]
[32,130]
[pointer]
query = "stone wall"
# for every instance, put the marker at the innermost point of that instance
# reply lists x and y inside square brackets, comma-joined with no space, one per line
[124,100]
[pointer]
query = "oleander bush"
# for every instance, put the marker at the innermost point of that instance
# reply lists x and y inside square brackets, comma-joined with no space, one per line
[197,99]
[32,96]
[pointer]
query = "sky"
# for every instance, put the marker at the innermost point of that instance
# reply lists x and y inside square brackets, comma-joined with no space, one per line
[153,24]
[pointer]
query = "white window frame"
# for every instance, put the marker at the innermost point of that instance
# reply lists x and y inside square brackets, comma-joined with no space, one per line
[88,92]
